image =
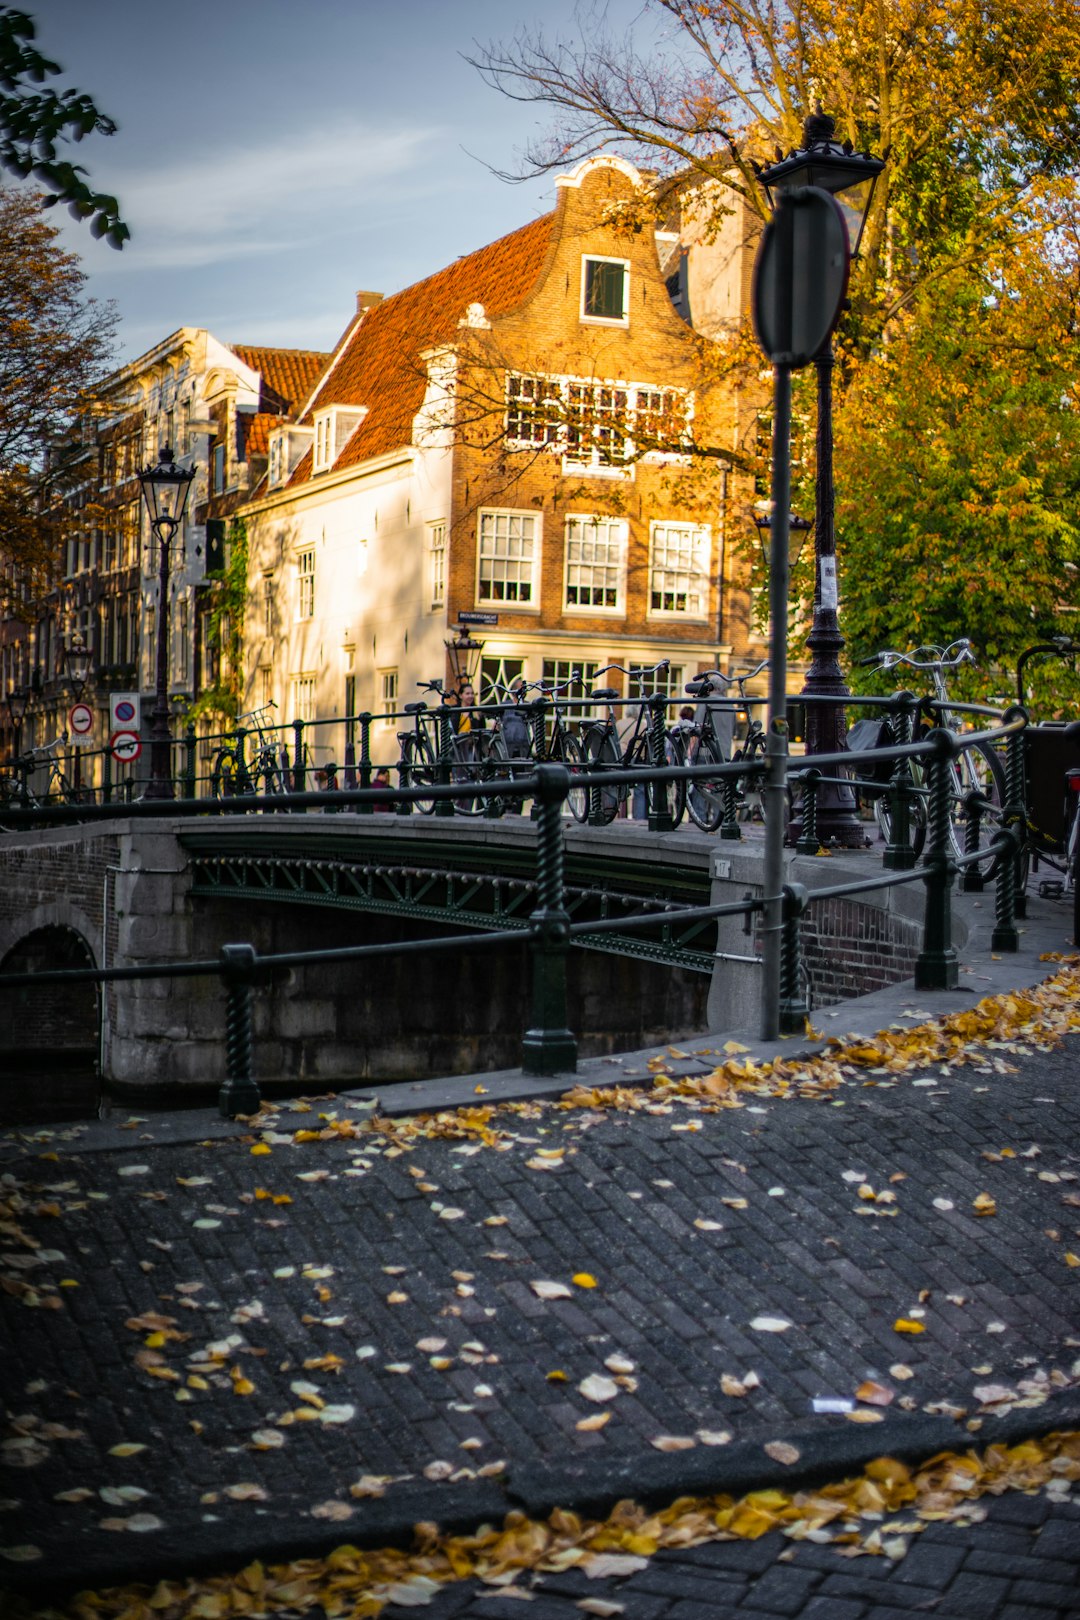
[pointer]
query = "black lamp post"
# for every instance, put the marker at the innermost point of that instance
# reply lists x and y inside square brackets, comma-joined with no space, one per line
[15,702]
[849,176]
[165,490]
[77,659]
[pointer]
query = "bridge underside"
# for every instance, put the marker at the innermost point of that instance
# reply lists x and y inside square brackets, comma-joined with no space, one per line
[474,883]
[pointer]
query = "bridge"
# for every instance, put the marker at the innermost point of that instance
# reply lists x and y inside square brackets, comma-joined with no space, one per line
[125,891]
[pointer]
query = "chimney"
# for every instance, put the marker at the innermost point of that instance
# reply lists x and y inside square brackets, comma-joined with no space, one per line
[366,301]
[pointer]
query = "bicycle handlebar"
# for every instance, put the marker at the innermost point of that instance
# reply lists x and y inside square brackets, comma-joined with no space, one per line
[888,658]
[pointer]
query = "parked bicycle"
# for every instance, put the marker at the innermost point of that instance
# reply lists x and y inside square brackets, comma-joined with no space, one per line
[606,748]
[235,772]
[1052,806]
[421,763]
[16,791]
[710,740]
[534,731]
[976,768]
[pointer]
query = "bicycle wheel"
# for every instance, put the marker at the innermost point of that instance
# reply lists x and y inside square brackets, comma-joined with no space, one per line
[566,750]
[223,774]
[750,788]
[600,754]
[420,770]
[705,800]
[466,761]
[977,768]
[673,794]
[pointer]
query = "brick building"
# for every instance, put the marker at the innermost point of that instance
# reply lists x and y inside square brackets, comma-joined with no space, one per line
[535,434]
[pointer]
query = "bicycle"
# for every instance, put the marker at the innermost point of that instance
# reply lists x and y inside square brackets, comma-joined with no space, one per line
[513,742]
[15,786]
[420,760]
[233,774]
[975,769]
[603,748]
[1052,808]
[712,735]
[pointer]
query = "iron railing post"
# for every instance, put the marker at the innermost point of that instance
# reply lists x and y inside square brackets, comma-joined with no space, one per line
[975,805]
[444,807]
[1009,896]
[299,773]
[548,1046]
[794,1008]
[244,783]
[538,724]
[239,1094]
[937,966]
[659,801]
[106,776]
[808,842]
[899,853]
[365,759]
[729,825]
[190,744]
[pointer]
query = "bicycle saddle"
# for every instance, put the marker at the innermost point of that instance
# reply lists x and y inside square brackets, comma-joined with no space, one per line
[415,708]
[604,693]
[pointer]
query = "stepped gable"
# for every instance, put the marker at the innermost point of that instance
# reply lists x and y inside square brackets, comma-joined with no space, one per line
[381,366]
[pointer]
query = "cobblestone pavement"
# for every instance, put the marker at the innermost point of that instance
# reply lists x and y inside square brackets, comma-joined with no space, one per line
[231,1346]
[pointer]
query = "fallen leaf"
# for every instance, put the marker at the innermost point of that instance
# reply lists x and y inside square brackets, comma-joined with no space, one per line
[246,1492]
[875,1394]
[674,1442]
[598,1388]
[335,1511]
[770,1324]
[596,1420]
[781,1452]
[550,1290]
[582,1279]
[903,1324]
[864,1414]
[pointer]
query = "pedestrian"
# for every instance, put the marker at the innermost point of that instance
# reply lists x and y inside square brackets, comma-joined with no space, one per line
[381,779]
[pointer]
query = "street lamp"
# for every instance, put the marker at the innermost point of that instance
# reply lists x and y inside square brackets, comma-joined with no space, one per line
[165,491]
[15,702]
[798,529]
[849,176]
[77,668]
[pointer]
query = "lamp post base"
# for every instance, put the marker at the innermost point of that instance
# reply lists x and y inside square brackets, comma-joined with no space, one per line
[838,821]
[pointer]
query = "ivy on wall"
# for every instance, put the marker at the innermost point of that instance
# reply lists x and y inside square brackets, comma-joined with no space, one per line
[220,700]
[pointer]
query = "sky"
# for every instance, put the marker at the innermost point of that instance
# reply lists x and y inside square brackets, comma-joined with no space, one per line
[273,157]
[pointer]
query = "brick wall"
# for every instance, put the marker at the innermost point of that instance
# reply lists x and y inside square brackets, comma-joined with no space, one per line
[850,949]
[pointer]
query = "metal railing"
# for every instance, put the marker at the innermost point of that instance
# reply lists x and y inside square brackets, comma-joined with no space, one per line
[548,1045]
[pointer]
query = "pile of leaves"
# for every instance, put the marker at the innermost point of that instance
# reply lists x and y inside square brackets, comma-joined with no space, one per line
[875,1513]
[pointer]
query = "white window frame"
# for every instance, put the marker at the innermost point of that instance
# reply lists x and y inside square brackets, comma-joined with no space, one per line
[437,574]
[605,320]
[494,520]
[302,696]
[664,577]
[268,604]
[565,415]
[610,534]
[305,583]
[389,690]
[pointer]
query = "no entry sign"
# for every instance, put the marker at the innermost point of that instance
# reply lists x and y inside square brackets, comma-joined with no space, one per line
[80,720]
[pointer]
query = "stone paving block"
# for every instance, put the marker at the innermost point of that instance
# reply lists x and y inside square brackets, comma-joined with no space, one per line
[1049,1593]
[783,1589]
[977,1595]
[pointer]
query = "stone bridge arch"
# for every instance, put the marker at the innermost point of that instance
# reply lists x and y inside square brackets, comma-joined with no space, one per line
[49,1035]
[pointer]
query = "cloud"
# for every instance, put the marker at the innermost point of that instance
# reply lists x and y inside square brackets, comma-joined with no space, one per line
[264,198]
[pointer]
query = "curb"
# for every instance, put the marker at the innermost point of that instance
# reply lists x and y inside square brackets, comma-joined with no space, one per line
[590,1488]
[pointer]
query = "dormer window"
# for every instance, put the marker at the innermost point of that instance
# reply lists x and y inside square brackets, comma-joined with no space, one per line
[605,291]
[333,430]
[287,446]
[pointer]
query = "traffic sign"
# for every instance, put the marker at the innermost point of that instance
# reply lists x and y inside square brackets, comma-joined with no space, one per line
[800,276]
[124,711]
[80,720]
[126,746]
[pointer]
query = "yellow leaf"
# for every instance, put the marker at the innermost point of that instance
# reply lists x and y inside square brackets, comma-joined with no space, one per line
[904,1325]
[306,1136]
[68,1282]
[556,1376]
[984,1205]
[154,1341]
[596,1421]
[1072,1259]
[260,1148]
[583,1280]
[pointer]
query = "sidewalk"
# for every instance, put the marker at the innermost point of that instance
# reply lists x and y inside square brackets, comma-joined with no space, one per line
[222,1343]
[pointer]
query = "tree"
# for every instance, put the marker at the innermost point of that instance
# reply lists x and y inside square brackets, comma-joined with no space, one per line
[32,121]
[54,345]
[958,472]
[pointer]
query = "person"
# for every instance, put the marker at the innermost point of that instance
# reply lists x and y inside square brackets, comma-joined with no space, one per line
[381,779]
[469,718]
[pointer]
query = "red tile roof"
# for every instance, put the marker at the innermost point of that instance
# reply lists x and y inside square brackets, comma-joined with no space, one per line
[380,364]
[288,375]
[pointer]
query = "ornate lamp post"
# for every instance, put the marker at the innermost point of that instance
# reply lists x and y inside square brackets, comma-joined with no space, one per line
[849,176]
[77,660]
[165,490]
[15,702]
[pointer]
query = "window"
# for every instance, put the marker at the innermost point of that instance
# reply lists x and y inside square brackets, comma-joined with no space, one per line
[668,682]
[324,439]
[595,564]
[597,427]
[605,289]
[388,689]
[557,671]
[437,543]
[302,693]
[217,469]
[679,570]
[305,580]
[268,604]
[265,686]
[333,430]
[185,640]
[350,711]
[275,470]
[496,677]
[509,555]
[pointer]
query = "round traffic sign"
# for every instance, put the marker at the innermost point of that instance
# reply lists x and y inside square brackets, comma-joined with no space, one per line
[124,710]
[800,276]
[81,719]
[126,746]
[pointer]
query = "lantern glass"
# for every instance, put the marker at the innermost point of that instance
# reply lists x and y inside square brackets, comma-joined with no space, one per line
[165,489]
[77,659]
